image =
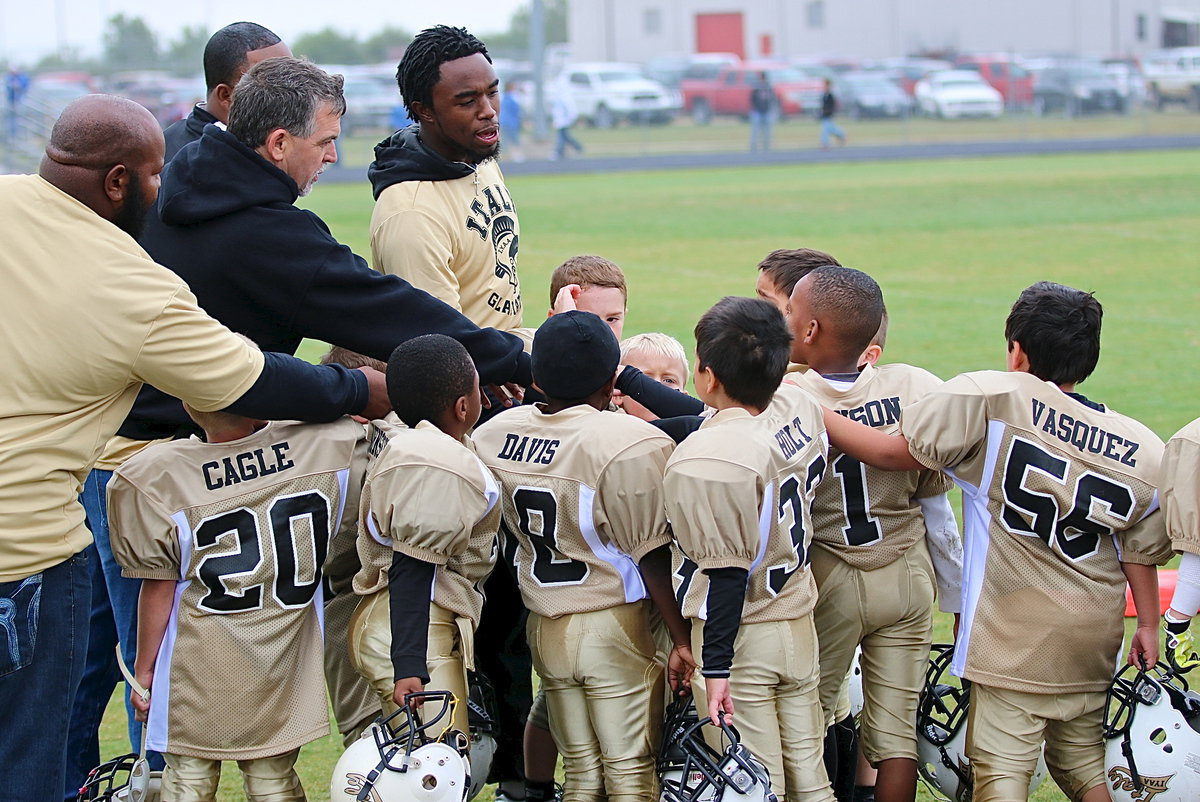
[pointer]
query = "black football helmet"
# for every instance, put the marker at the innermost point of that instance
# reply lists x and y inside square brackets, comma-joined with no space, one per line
[693,771]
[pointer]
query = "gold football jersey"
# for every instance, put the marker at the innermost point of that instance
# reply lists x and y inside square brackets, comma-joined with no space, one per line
[739,492]
[1055,495]
[1180,487]
[430,497]
[866,516]
[582,495]
[244,528]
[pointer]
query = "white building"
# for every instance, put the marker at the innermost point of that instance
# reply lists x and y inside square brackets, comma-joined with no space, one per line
[638,30]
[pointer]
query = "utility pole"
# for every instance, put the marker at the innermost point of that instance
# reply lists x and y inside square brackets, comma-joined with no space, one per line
[537,54]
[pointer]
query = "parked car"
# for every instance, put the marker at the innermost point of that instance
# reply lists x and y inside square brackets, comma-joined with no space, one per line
[871,94]
[957,93]
[729,92]
[370,104]
[1173,76]
[1006,76]
[1076,90]
[670,70]
[905,72]
[1130,81]
[605,93]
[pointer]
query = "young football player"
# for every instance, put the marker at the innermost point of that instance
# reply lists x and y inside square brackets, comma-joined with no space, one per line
[1181,505]
[582,494]
[354,703]
[660,357]
[428,520]
[874,576]
[593,284]
[229,537]
[1059,502]
[779,271]
[738,496]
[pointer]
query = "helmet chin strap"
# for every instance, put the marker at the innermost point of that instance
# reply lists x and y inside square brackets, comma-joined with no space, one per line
[139,775]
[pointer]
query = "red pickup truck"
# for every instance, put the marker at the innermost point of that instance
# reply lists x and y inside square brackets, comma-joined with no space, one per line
[796,91]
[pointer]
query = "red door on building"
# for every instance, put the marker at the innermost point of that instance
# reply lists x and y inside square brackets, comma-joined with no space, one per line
[720,33]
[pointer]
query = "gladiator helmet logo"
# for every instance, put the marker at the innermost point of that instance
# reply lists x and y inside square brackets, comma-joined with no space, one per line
[504,241]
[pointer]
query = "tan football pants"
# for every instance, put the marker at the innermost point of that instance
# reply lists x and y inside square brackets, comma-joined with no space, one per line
[370,644]
[890,612]
[1005,729]
[777,712]
[267,779]
[604,694]
[355,704]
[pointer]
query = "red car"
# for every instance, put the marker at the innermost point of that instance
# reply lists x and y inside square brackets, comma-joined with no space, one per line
[729,91]
[1010,79]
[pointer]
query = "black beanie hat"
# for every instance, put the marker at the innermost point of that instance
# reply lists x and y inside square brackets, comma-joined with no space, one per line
[574,354]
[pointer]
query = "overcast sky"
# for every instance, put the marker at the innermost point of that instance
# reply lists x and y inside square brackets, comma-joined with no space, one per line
[30,29]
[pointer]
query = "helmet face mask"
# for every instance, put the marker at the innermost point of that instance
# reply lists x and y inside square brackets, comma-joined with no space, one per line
[1152,733]
[123,779]
[693,771]
[942,731]
[481,712]
[402,757]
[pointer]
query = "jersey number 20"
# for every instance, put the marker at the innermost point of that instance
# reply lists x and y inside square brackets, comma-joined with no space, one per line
[216,571]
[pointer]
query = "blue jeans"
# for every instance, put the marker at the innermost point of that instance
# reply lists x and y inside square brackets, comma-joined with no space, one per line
[828,129]
[43,632]
[113,617]
[564,140]
[760,130]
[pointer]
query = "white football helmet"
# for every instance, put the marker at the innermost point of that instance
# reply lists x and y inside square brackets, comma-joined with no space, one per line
[481,711]
[856,684]
[692,771]
[123,779]
[402,759]
[942,731]
[1152,734]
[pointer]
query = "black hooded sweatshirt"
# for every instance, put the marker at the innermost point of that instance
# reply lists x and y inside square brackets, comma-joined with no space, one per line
[404,157]
[227,224]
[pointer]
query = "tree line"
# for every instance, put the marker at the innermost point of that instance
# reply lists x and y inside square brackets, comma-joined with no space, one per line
[129,44]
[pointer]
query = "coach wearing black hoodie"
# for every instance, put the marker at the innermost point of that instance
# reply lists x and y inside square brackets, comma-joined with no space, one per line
[272,271]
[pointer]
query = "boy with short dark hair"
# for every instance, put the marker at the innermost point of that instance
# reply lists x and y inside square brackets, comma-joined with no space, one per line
[229,537]
[582,496]
[738,496]
[779,271]
[427,536]
[872,567]
[1059,504]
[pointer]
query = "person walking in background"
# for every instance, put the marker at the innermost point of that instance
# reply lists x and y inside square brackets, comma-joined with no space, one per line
[563,114]
[762,114]
[16,84]
[828,127]
[511,119]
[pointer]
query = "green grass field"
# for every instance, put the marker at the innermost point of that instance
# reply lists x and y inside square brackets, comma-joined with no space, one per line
[951,242]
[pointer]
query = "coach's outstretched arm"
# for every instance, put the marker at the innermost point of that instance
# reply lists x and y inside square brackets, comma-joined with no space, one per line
[193,357]
[884,451]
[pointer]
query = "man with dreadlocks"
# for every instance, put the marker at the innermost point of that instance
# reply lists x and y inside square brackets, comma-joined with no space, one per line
[444,221]
[443,218]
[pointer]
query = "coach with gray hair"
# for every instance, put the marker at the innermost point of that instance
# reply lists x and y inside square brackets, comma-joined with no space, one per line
[271,270]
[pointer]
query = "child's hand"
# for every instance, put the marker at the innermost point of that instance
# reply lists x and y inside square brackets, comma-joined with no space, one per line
[1143,648]
[140,697]
[719,699]
[565,300]
[406,686]
[680,667]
